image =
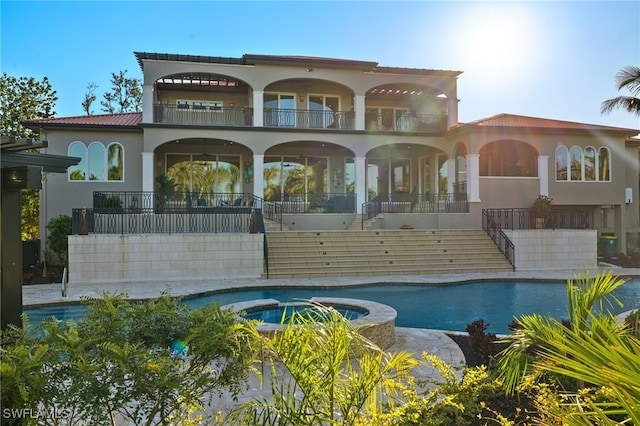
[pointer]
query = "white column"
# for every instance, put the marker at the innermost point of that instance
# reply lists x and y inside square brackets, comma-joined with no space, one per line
[452,108]
[361,184]
[451,174]
[473,178]
[147,103]
[543,174]
[147,178]
[258,175]
[258,111]
[358,106]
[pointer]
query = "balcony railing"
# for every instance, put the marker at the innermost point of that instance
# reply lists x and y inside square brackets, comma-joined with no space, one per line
[296,119]
[315,202]
[309,119]
[205,116]
[415,203]
[558,218]
[131,212]
[427,123]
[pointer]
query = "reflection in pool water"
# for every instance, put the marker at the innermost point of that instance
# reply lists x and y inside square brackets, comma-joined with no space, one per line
[441,307]
[282,313]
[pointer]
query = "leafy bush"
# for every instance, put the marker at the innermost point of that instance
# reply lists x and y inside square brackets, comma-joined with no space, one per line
[633,321]
[59,230]
[480,340]
[147,363]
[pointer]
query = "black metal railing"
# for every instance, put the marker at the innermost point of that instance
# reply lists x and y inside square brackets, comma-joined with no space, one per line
[309,119]
[132,212]
[317,202]
[408,122]
[558,218]
[504,244]
[415,203]
[206,116]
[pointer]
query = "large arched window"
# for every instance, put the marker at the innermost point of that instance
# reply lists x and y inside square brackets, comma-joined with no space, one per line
[96,162]
[582,165]
[508,158]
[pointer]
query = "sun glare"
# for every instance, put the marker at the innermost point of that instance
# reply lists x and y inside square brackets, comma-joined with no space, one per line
[497,40]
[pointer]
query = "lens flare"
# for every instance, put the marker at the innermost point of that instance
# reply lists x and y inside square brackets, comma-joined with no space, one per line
[178,347]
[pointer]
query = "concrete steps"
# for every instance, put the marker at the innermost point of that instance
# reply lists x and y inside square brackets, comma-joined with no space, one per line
[381,252]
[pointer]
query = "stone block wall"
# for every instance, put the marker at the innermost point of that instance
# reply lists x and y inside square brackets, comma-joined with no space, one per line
[544,249]
[168,257]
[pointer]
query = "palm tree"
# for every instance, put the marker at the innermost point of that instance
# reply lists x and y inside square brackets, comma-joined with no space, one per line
[628,77]
[332,374]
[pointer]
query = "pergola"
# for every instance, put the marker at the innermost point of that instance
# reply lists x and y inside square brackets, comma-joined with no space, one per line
[20,170]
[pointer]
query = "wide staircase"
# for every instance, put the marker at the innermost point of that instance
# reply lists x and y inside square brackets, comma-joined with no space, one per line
[349,253]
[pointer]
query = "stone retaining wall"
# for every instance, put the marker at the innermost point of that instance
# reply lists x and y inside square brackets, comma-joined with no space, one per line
[157,257]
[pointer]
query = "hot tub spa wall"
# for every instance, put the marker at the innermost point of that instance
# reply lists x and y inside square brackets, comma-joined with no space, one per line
[157,257]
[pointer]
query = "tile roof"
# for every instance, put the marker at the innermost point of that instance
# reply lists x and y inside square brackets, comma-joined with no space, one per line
[127,119]
[511,120]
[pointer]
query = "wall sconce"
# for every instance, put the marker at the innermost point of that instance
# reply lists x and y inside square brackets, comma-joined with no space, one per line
[231,104]
[301,98]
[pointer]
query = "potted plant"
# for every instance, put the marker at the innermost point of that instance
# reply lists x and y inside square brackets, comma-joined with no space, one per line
[541,208]
[165,188]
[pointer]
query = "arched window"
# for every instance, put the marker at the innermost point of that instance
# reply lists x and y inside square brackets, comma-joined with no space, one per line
[115,162]
[79,171]
[590,164]
[562,159]
[575,163]
[603,165]
[508,158]
[96,162]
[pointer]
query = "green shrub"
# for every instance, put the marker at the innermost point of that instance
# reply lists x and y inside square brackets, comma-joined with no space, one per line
[59,229]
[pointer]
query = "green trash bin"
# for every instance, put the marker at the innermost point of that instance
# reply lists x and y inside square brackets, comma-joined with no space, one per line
[609,245]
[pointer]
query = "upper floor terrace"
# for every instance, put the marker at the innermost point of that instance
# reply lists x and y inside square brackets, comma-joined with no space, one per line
[296,93]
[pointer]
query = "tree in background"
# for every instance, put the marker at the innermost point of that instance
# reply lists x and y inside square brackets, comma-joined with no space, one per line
[89,98]
[125,95]
[21,99]
[627,78]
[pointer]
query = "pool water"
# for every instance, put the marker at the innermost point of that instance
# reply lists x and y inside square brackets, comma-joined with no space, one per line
[441,307]
[278,314]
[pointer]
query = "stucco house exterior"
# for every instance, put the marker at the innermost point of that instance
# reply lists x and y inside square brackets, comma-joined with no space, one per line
[331,140]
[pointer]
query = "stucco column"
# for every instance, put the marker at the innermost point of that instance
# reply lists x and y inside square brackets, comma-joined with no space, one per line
[147,178]
[258,175]
[258,111]
[473,178]
[543,174]
[451,174]
[358,106]
[361,185]
[147,103]
[452,108]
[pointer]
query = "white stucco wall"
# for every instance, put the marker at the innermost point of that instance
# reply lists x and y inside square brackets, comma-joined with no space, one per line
[164,257]
[544,249]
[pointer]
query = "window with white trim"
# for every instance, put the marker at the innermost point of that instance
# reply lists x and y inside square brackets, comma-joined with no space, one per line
[576,164]
[97,163]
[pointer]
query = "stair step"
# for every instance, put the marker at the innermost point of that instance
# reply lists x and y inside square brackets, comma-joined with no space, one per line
[381,252]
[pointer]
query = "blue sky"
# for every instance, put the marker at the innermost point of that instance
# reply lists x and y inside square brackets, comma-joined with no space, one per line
[546,59]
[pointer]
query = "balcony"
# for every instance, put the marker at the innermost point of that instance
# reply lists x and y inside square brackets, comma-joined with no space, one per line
[297,119]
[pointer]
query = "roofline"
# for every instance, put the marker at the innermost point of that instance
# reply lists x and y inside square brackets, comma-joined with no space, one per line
[303,61]
[35,126]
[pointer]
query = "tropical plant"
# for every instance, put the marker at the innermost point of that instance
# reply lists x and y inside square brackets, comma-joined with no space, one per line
[627,78]
[590,348]
[148,363]
[332,374]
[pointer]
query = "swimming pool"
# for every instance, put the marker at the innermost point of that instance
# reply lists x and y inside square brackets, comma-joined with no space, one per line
[441,307]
